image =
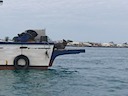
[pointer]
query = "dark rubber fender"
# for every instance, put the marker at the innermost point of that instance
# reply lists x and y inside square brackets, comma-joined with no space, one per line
[16,64]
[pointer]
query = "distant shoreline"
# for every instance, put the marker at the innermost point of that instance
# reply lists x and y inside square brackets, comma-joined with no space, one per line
[97,46]
[102,45]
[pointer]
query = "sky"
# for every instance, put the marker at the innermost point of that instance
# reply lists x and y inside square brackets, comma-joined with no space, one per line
[77,20]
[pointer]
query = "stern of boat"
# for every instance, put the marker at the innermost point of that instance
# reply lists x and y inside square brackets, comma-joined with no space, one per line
[59,52]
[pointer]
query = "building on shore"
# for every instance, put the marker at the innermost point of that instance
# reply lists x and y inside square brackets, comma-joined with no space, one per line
[93,44]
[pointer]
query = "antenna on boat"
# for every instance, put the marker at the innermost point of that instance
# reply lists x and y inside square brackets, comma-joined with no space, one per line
[1,2]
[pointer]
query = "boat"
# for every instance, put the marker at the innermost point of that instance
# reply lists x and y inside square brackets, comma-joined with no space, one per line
[32,49]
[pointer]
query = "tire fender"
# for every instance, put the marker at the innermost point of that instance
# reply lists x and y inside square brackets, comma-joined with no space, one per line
[19,57]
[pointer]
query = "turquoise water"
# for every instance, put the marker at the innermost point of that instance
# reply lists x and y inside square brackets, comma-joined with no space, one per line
[98,72]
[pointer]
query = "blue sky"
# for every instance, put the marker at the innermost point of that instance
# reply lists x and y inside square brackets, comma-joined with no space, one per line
[78,20]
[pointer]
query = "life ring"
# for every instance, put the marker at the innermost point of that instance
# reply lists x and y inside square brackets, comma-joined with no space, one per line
[17,65]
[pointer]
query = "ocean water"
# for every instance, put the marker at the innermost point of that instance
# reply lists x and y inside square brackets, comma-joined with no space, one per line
[98,72]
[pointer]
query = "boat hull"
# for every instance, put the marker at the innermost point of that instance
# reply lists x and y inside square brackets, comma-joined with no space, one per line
[30,55]
[38,54]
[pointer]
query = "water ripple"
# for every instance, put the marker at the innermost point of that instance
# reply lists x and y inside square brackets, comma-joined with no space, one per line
[98,72]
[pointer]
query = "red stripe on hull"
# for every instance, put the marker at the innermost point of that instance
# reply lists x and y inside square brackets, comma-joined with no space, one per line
[7,67]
